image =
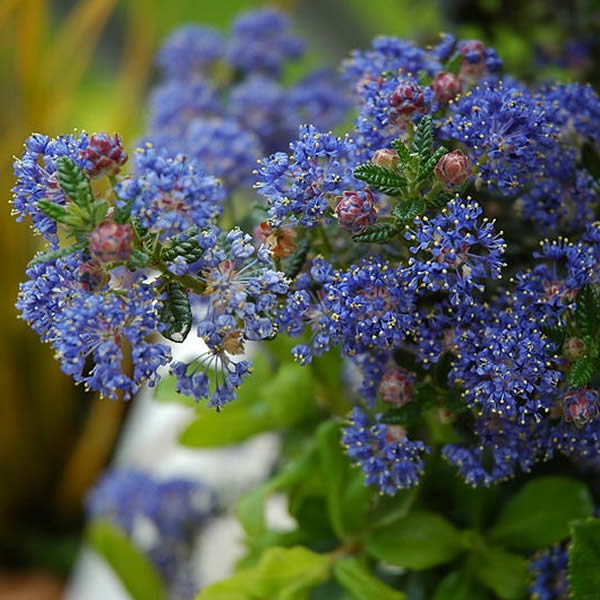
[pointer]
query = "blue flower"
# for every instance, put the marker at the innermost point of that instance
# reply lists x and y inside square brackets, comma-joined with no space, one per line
[389,460]
[549,570]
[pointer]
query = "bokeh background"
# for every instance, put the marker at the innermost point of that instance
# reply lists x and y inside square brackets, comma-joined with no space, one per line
[88,64]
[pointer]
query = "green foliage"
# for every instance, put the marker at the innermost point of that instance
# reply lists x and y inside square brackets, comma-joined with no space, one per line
[422,143]
[292,265]
[584,558]
[74,182]
[581,371]
[184,245]
[409,209]
[361,583]
[460,585]
[136,573]
[538,515]
[590,159]
[378,233]
[381,178]
[453,64]
[176,312]
[587,312]
[55,254]
[503,572]
[282,574]
[420,540]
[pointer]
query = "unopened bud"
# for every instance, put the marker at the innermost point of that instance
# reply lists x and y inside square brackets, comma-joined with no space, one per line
[111,242]
[386,157]
[474,59]
[446,86]
[406,100]
[453,169]
[355,211]
[574,348]
[395,433]
[580,406]
[104,155]
[396,386]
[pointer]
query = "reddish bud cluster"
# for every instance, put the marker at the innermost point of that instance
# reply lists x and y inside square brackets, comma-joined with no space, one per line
[446,86]
[453,169]
[396,386]
[386,157]
[111,242]
[355,211]
[406,100]
[104,155]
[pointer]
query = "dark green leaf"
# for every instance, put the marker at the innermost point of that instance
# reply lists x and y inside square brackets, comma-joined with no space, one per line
[590,159]
[423,139]
[75,183]
[534,518]
[55,254]
[402,151]
[460,585]
[556,334]
[378,233]
[138,260]
[56,212]
[421,540]
[409,209]
[189,249]
[176,312]
[390,509]
[587,312]
[584,558]
[426,167]
[136,572]
[382,179]
[581,372]
[453,64]
[408,415]
[361,583]
[504,573]
[292,265]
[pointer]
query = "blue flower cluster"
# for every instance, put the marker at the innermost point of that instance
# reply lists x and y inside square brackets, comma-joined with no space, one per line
[161,517]
[549,572]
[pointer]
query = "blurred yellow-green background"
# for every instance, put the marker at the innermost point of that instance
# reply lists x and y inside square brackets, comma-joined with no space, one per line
[88,64]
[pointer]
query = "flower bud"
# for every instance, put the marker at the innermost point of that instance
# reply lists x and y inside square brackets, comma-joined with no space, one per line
[446,86]
[474,59]
[111,242]
[580,406]
[92,276]
[396,386]
[104,155]
[406,100]
[395,433]
[574,348]
[386,157]
[453,169]
[355,211]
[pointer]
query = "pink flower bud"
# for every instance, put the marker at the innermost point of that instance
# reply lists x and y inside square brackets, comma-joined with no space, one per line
[406,100]
[396,386]
[574,348]
[453,168]
[395,433]
[446,86]
[111,242]
[580,406]
[386,157]
[355,211]
[104,155]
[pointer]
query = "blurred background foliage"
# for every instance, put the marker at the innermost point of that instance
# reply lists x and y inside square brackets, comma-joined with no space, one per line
[88,64]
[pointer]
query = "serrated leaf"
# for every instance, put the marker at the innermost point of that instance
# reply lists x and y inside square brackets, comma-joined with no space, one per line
[421,540]
[136,572]
[584,558]
[403,152]
[361,583]
[138,260]
[423,139]
[176,312]
[409,209]
[378,233]
[408,415]
[590,159]
[533,519]
[581,371]
[56,254]
[75,183]
[426,167]
[503,572]
[381,178]
[57,212]
[556,334]
[587,311]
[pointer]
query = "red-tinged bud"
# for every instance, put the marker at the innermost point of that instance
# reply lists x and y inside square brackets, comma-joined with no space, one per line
[355,211]
[473,63]
[406,100]
[92,276]
[446,86]
[396,386]
[580,406]
[453,169]
[279,240]
[111,242]
[395,433]
[386,157]
[104,155]
[574,348]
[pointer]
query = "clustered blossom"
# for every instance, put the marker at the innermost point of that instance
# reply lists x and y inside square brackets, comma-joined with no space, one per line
[549,573]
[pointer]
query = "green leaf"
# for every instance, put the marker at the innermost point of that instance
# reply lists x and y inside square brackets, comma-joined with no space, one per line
[55,211]
[453,64]
[378,233]
[189,249]
[392,508]
[176,312]
[409,209]
[361,583]
[459,585]
[292,265]
[590,159]
[421,540]
[423,140]
[135,571]
[556,334]
[584,558]
[402,151]
[538,515]
[381,178]
[75,183]
[504,573]
[581,371]
[587,312]
[138,260]
[55,254]
[426,167]
[347,496]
